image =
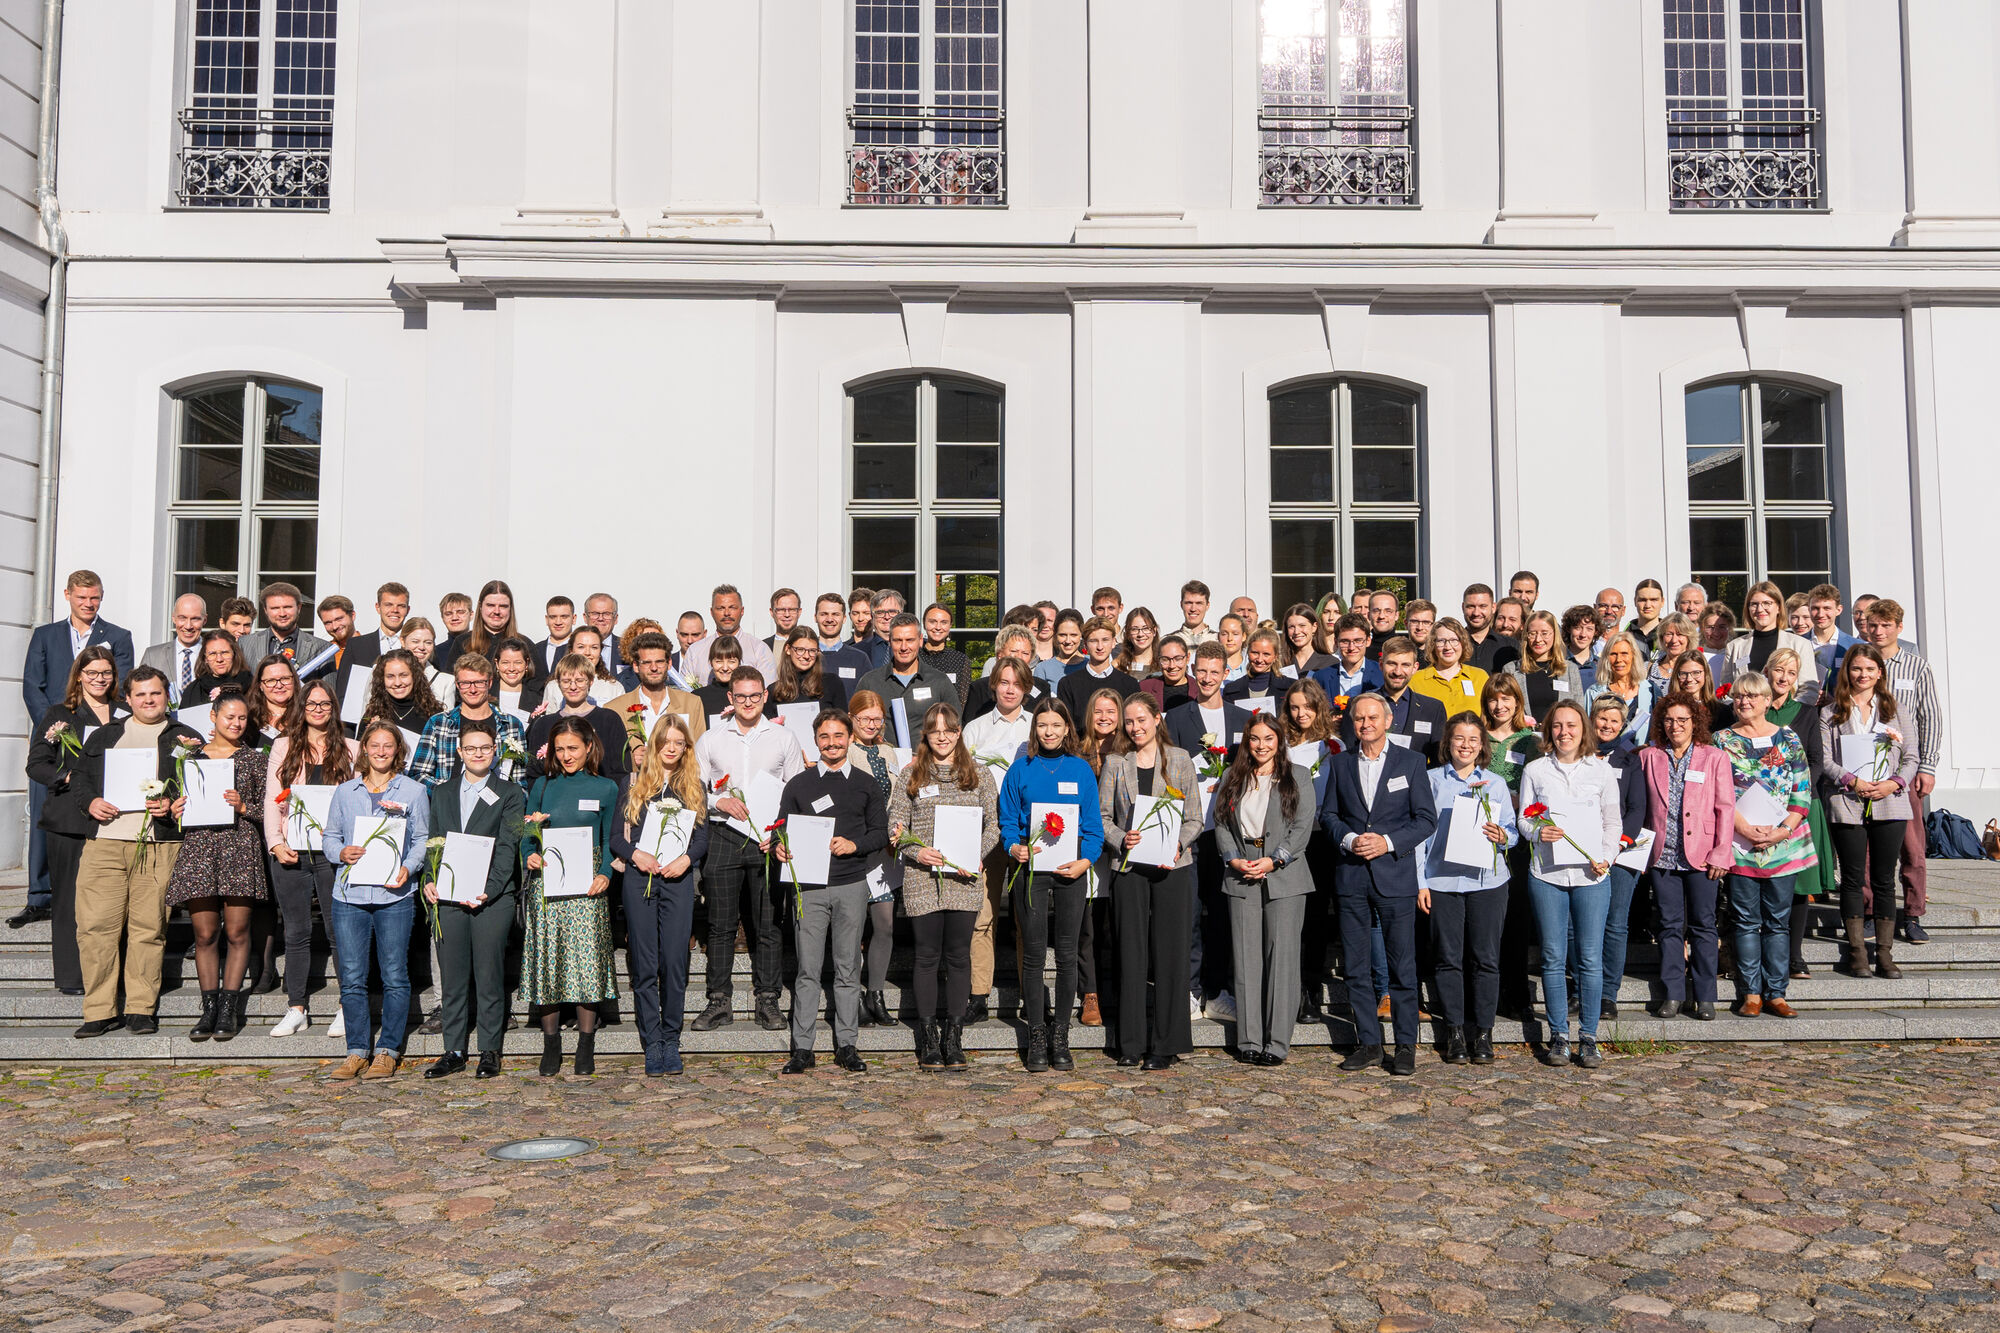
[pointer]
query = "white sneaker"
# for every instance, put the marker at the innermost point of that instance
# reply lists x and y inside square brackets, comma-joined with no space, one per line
[295,1020]
[1222,1009]
[338,1027]
[1194,1007]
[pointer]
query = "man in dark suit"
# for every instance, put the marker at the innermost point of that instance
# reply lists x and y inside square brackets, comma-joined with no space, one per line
[1353,672]
[472,950]
[1206,712]
[44,678]
[1378,812]
[363,651]
[1416,721]
[180,656]
[559,614]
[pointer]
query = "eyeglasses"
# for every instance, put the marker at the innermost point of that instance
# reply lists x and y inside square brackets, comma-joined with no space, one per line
[319,705]
[942,730]
[747,698]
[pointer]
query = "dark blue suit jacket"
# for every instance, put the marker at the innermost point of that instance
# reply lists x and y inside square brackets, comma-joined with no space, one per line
[1371,678]
[1404,814]
[1185,727]
[46,674]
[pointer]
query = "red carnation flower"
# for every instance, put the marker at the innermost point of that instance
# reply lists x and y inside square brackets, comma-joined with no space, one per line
[1722,691]
[1052,825]
[1536,811]
[722,783]
[636,708]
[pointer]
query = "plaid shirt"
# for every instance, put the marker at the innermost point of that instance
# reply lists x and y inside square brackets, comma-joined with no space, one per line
[436,760]
[1915,688]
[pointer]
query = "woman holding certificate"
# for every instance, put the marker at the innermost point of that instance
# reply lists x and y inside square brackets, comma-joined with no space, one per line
[1465,888]
[944,818]
[1052,828]
[1149,798]
[1101,734]
[1773,844]
[1866,766]
[867,750]
[1570,799]
[661,836]
[220,871]
[376,827]
[567,955]
[1264,818]
[311,754]
[1781,668]
[55,759]
[1607,721]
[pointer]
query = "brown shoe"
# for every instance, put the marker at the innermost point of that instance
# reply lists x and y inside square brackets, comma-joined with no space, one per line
[1780,1009]
[1383,1010]
[350,1069]
[1751,1006]
[1093,1017]
[384,1065]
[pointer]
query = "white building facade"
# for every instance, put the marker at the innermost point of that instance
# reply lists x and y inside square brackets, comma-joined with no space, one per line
[997,300]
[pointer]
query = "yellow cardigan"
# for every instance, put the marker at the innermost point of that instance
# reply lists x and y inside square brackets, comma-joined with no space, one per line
[1459,694]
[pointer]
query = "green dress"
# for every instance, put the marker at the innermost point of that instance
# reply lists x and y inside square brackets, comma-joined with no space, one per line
[566,957]
[1823,877]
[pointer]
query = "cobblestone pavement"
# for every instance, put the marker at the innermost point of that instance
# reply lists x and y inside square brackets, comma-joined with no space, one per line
[1732,1188]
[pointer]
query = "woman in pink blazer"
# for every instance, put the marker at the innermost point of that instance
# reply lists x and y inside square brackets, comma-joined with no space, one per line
[1691,808]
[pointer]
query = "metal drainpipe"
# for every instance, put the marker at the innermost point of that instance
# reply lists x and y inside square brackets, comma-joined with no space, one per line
[52,318]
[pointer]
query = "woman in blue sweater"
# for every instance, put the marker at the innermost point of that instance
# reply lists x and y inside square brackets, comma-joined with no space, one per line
[1051,774]
[566,958]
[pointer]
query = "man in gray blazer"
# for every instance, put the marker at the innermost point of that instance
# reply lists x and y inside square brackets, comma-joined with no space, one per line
[179,658]
[282,603]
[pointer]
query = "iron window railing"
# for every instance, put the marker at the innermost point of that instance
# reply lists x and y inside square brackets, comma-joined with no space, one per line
[1337,156]
[926,156]
[245,157]
[1741,160]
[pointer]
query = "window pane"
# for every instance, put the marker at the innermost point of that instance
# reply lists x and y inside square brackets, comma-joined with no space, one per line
[1719,544]
[1305,417]
[1795,474]
[884,545]
[204,544]
[1385,476]
[1715,474]
[1724,588]
[213,589]
[1791,416]
[1384,546]
[1308,588]
[886,416]
[967,415]
[1797,543]
[906,584]
[286,547]
[885,472]
[968,472]
[973,600]
[968,543]
[291,415]
[1715,415]
[291,474]
[1301,475]
[1302,546]
[211,474]
[213,416]
[1382,417]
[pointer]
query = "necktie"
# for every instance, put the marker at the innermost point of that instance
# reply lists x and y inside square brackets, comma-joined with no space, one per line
[187,668]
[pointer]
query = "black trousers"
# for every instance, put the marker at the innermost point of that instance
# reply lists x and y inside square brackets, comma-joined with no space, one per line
[733,876]
[1518,934]
[64,853]
[1359,910]
[1867,854]
[295,887]
[656,954]
[1465,948]
[1687,914]
[1154,912]
[1211,963]
[1317,935]
[1048,910]
[943,936]
[472,960]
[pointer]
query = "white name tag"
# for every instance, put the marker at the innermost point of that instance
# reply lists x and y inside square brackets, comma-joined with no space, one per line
[1512,757]
[921,692]
[1760,742]
[847,673]
[487,798]
[1695,775]
[927,792]
[588,804]
[1468,687]
[1561,686]
[1399,784]
[1397,738]
[951,676]
[1422,728]
[822,805]
[1065,789]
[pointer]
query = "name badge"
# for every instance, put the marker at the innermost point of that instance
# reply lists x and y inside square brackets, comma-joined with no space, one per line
[1468,687]
[927,792]
[1696,775]
[1397,738]
[1760,742]
[951,676]
[1422,728]
[487,798]
[1512,757]
[1399,784]
[1560,686]
[921,692]
[590,804]
[847,673]
[1065,789]
[822,805]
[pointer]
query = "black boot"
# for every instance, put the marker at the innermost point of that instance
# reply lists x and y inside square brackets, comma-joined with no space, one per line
[875,1009]
[586,1052]
[229,1016]
[1482,1046]
[929,1055]
[551,1055]
[211,1014]
[951,1038]
[1059,1057]
[1454,1046]
[1036,1058]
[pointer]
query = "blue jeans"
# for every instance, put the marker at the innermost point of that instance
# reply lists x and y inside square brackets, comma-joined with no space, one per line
[1558,911]
[1624,880]
[1763,910]
[383,929]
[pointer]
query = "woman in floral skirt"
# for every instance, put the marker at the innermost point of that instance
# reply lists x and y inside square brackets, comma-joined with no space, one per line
[567,955]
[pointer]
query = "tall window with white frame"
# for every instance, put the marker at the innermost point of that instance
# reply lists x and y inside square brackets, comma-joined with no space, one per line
[924,507]
[245,508]
[1760,497]
[257,124]
[1743,126]
[1346,498]
[927,118]
[1335,117]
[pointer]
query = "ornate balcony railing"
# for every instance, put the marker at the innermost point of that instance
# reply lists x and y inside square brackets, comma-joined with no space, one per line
[1728,160]
[926,156]
[1337,156]
[255,158]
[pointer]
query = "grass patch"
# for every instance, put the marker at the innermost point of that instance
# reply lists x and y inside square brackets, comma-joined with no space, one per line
[1642,1046]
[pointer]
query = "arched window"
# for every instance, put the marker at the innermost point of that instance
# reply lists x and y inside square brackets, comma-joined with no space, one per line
[924,463]
[1760,498]
[1346,499]
[245,509]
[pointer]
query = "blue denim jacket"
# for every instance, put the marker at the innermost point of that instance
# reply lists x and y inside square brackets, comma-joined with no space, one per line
[352,802]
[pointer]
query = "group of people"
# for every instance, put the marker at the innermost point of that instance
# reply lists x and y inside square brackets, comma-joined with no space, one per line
[1194,819]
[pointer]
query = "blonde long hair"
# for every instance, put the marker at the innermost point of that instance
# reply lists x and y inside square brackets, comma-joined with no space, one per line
[651,779]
